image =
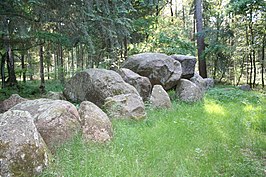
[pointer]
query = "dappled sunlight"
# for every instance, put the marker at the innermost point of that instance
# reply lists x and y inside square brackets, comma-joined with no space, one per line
[213,108]
[249,108]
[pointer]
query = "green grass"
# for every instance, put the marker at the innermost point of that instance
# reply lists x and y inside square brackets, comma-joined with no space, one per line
[30,89]
[224,135]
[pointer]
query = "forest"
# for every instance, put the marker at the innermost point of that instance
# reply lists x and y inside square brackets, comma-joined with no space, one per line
[53,40]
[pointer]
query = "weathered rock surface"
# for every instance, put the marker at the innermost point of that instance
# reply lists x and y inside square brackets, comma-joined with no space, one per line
[199,81]
[96,85]
[160,98]
[188,91]
[188,65]
[245,87]
[13,100]
[56,120]
[22,149]
[95,123]
[141,83]
[55,95]
[159,68]
[125,106]
[209,82]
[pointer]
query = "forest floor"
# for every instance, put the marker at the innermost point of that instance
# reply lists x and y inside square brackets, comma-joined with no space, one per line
[223,135]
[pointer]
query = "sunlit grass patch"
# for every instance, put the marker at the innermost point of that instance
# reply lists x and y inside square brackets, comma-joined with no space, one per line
[215,137]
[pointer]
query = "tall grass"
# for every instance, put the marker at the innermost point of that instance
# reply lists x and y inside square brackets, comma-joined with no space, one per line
[224,135]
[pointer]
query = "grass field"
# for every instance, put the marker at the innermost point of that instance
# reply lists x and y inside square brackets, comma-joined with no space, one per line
[223,135]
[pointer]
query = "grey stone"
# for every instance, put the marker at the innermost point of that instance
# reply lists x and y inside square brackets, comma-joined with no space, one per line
[13,100]
[55,95]
[188,91]
[141,83]
[56,120]
[96,85]
[199,81]
[209,82]
[125,106]
[245,87]
[159,68]
[22,149]
[95,123]
[160,98]
[188,65]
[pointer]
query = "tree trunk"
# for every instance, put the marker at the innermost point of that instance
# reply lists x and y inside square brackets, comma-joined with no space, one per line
[42,85]
[12,81]
[3,70]
[171,10]
[125,46]
[23,68]
[183,16]
[247,61]
[72,62]
[30,69]
[262,60]
[253,58]
[200,40]
[61,65]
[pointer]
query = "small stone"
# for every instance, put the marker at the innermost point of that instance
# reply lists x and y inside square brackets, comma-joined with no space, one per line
[160,98]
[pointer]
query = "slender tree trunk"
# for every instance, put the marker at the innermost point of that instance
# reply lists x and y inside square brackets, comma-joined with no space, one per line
[171,10]
[262,60]
[253,56]
[77,57]
[42,85]
[11,66]
[3,70]
[82,56]
[72,62]
[242,70]
[200,40]
[247,61]
[251,69]
[183,16]
[48,72]
[23,67]
[61,65]
[125,46]
[55,56]
[12,81]
[30,68]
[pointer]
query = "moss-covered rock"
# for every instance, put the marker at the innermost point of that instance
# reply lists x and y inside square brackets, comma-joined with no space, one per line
[56,120]
[22,150]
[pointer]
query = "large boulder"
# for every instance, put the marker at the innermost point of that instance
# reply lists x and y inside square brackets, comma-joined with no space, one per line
[56,120]
[160,98]
[96,85]
[22,149]
[141,83]
[159,68]
[188,65]
[188,91]
[13,100]
[125,106]
[95,123]
[199,81]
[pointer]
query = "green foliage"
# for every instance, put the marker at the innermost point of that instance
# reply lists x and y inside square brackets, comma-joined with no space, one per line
[217,137]
[166,37]
[30,89]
